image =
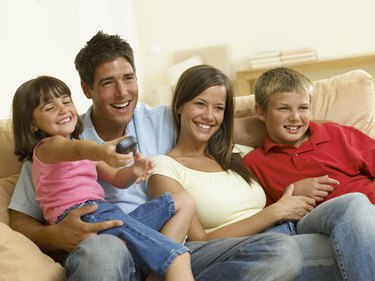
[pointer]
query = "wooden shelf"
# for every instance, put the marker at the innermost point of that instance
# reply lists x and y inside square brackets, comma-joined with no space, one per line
[245,79]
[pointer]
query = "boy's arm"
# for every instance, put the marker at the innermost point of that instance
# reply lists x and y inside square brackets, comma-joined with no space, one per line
[316,188]
[249,131]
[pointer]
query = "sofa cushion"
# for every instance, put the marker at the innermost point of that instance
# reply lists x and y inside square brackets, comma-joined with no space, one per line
[347,99]
[9,164]
[21,259]
[6,191]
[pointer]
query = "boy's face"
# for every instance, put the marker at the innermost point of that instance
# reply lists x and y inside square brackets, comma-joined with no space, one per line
[114,94]
[287,117]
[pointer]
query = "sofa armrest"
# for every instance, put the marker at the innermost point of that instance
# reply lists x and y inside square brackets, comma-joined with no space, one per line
[6,190]
[21,259]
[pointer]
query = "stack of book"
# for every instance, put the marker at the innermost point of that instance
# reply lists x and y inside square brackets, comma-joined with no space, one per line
[279,58]
[298,56]
[264,60]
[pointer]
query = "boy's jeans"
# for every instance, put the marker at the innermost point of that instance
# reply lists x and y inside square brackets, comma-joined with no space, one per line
[349,221]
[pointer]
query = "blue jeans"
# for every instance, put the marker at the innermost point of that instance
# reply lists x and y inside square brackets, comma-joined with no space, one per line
[149,248]
[349,221]
[262,257]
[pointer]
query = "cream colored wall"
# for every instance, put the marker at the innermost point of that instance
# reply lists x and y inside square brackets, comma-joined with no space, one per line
[335,28]
[43,36]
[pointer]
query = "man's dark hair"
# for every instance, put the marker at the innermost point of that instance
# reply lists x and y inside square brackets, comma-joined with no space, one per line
[101,48]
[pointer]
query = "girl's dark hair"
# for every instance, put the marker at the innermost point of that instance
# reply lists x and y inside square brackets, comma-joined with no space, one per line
[192,83]
[28,97]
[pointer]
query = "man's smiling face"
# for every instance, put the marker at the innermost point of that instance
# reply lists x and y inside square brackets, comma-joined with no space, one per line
[114,93]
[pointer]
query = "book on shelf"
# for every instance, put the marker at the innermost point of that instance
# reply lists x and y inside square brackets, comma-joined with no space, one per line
[265,59]
[297,52]
[266,63]
[279,58]
[299,60]
[265,55]
[298,56]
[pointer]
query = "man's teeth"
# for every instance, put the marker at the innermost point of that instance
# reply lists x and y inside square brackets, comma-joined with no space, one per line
[120,105]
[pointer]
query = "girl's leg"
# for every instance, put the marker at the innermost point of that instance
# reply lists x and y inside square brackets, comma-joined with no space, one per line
[155,213]
[177,227]
[148,247]
[349,221]
[180,269]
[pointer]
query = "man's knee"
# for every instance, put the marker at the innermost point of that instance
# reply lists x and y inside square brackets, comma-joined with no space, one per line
[100,256]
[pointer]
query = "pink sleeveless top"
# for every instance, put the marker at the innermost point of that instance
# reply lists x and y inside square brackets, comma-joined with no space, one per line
[62,185]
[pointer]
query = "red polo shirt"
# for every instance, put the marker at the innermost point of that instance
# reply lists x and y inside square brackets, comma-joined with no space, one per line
[341,152]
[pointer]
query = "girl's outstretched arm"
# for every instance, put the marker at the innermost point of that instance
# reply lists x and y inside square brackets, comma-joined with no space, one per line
[57,148]
[126,176]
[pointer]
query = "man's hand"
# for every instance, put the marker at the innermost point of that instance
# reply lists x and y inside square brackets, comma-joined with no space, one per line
[72,230]
[316,188]
[65,235]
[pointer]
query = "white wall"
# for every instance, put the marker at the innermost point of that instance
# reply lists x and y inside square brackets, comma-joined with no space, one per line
[43,36]
[334,28]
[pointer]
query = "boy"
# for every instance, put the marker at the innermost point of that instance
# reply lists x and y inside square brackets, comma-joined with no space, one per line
[322,160]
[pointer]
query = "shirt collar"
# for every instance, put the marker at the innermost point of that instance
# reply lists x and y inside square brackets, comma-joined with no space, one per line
[318,134]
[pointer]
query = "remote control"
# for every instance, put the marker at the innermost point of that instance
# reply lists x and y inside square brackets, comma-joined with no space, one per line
[128,144]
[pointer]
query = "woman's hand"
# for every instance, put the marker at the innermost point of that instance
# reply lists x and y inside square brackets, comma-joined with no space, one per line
[291,207]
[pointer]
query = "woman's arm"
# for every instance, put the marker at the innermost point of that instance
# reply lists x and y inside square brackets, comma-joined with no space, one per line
[287,208]
[249,131]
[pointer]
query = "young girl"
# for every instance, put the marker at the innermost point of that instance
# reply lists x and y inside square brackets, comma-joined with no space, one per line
[65,170]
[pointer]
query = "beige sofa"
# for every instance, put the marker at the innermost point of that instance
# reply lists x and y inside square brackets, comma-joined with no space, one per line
[347,98]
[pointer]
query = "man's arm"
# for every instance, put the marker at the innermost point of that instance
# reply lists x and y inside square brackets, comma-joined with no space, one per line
[65,235]
[26,217]
[249,131]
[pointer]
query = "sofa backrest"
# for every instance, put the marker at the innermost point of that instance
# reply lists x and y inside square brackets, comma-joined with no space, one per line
[8,162]
[347,99]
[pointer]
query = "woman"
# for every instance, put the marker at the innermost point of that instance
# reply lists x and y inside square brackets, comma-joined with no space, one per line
[228,203]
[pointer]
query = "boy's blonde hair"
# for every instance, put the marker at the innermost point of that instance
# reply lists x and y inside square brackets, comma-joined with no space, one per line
[280,80]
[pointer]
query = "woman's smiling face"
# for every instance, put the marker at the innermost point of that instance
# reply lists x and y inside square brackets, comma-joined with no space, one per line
[202,117]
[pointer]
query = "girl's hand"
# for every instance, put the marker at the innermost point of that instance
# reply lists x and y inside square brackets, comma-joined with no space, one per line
[293,208]
[109,155]
[142,167]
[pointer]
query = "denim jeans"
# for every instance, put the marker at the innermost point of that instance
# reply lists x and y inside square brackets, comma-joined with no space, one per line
[268,256]
[344,250]
[148,247]
[349,221]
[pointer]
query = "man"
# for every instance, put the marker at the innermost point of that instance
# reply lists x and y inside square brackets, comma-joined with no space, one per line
[107,72]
